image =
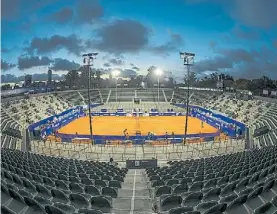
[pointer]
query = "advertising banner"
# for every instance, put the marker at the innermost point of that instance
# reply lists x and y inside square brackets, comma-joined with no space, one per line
[225,124]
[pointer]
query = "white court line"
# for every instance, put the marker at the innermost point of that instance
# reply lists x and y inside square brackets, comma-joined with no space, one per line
[134,193]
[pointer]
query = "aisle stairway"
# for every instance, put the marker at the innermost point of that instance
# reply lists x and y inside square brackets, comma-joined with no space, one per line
[133,197]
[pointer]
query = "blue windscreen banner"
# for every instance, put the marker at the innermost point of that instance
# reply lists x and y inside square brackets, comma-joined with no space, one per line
[108,114]
[120,110]
[227,125]
[137,113]
[224,124]
[209,139]
[50,124]
[166,114]
[103,138]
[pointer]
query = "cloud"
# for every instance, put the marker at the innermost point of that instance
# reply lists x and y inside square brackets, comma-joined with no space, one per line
[116,61]
[125,73]
[135,68]
[9,78]
[241,63]
[62,16]
[128,73]
[121,36]
[5,50]
[44,76]
[242,33]
[29,22]
[257,13]
[239,55]
[113,61]
[275,44]
[201,1]
[101,70]
[57,64]
[212,44]
[116,38]
[13,9]
[172,45]
[25,62]
[84,12]
[213,64]
[6,66]
[55,43]
[9,9]
[106,64]
[87,11]
[253,13]
[64,65]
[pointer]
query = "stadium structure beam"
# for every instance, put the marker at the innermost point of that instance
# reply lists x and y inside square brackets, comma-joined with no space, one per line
[88,61]
[188,59]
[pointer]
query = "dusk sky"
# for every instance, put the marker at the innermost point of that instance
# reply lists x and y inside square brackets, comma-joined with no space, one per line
[238,37]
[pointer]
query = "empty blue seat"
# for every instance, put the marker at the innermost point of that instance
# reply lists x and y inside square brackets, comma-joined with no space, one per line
[170,202]
[162,190]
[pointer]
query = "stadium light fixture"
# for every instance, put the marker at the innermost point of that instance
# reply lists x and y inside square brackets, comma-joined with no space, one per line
[158,72]
[188,59]
[90,54]
[88,61]
[115,73]
[186,54]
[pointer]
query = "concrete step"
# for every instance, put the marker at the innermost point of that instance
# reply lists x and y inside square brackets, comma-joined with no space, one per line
[134,196]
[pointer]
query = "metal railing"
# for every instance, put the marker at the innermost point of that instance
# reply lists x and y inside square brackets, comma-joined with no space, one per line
[121,153]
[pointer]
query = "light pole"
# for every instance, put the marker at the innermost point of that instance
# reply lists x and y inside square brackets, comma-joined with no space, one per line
[188,59]
[159,73]
[88,60]
[115,74]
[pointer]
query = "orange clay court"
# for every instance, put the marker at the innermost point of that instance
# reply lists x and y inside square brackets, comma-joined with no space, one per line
[113,125]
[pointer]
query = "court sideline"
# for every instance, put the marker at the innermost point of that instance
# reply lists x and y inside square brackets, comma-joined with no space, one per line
[134,196]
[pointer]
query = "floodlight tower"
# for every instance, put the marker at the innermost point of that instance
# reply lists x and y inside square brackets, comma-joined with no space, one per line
[115,74]
[88,61]
[188,59]
[158,73]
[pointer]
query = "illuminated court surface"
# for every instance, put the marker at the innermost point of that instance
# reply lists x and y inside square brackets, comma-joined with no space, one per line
[113,125]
